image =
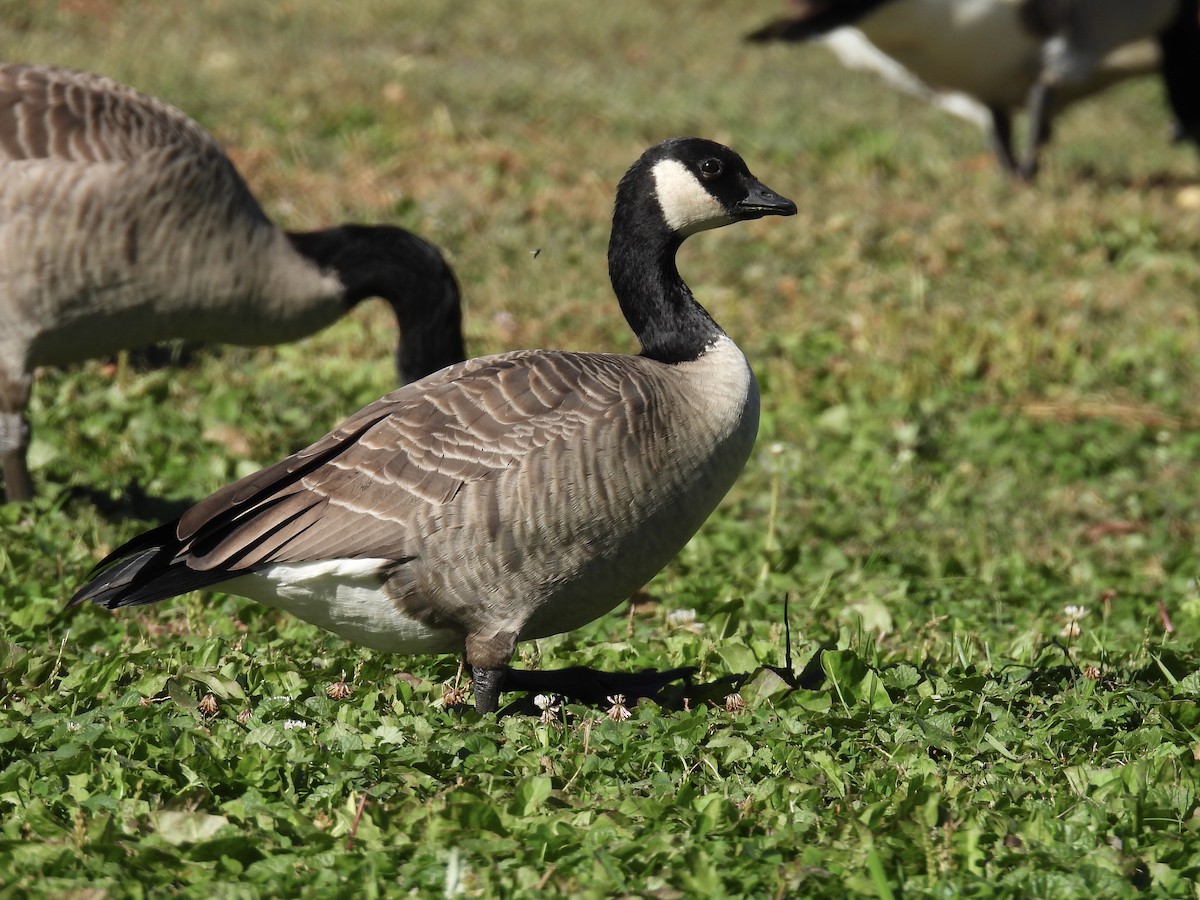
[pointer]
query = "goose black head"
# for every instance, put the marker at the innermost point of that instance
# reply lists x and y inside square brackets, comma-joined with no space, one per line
[700,184]
[675,189]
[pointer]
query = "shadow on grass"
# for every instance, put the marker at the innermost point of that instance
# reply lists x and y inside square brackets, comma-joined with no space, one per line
[131,503]
[676,689]
[672,689]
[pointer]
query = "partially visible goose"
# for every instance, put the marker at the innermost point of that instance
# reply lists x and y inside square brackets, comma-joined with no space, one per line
[854,51]
[1081,34]
[1007,54]
[123,223]
[509,497]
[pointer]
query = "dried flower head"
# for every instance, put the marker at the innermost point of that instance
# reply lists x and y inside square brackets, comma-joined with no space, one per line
[549,708]
[685,620]
[734,703]
[453,695]
[1073,614]
[1092,672]
[618,712]
[243,717]
[208,705]
[339,690]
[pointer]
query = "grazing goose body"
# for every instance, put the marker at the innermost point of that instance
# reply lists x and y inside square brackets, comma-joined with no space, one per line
[855,51]
[507,497]
[123,223]
[1006,54]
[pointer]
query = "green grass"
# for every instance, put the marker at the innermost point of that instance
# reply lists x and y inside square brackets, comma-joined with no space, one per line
[979,409]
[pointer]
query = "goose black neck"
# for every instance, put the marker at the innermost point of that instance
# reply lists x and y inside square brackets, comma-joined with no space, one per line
[671,326]
[406,272]
[1180,45]
[368,260]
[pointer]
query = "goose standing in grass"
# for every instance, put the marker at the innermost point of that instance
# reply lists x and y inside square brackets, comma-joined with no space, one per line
[123,223]
[509,497]
[1013,54]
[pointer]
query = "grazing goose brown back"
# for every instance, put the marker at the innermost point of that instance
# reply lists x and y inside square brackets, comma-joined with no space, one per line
[123,223]
[508,497]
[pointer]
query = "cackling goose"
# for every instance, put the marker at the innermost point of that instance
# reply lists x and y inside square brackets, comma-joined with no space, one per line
[505,498]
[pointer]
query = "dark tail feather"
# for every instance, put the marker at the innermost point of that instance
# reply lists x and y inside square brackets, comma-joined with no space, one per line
[813,18]
[144,570]
[110,587]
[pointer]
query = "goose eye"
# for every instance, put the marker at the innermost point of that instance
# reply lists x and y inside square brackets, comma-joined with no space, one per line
[710,169]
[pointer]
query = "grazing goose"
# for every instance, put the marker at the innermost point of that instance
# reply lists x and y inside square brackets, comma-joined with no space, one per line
[123,223]
[509,497]
[854,51]
[1007,54]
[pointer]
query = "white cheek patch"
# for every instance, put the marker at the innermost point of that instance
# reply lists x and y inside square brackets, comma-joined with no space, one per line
[687,207]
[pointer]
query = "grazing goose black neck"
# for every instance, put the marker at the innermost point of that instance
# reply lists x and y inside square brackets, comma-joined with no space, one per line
[410,274]
[1180,45]
[677,188]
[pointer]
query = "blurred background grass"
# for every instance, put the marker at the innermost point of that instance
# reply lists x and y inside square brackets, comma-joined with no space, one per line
[979,408]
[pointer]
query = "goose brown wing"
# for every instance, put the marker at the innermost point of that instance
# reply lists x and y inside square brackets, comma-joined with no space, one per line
[48,112]
[388,478]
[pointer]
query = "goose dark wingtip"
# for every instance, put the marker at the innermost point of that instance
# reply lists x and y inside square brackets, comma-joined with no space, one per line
[109,582]
[112,582]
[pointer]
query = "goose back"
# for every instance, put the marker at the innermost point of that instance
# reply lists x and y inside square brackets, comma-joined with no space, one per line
[123,223]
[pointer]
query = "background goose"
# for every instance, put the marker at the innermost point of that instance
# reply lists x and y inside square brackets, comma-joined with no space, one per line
[855,51]
[1009,53]
[509,497]
[123,223]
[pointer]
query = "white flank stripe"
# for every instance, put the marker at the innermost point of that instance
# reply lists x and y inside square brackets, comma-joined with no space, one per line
[346,597]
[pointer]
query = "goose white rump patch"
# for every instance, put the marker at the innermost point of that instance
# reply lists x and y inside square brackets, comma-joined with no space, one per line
[346,597]
[687,206]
